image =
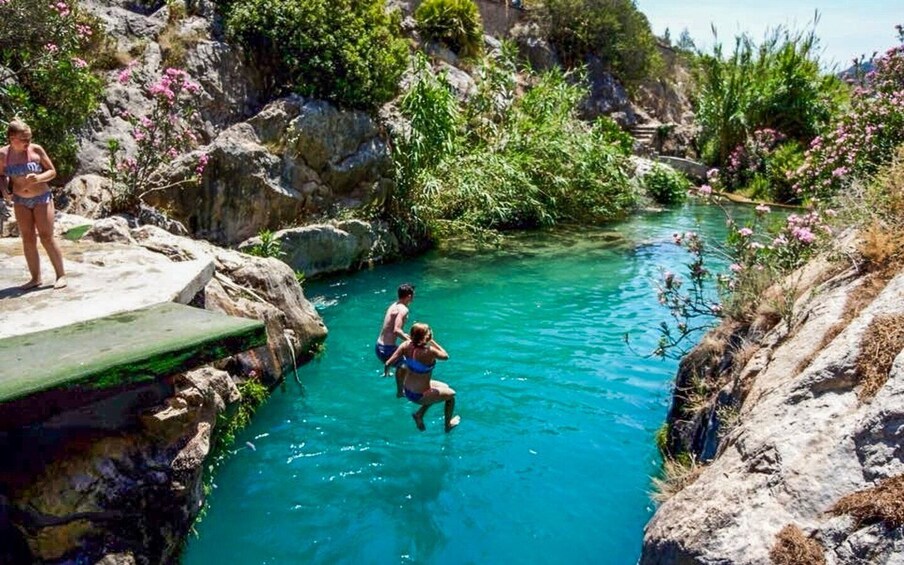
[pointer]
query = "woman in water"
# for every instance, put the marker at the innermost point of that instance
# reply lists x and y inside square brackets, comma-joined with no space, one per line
[420,354]
[28,170]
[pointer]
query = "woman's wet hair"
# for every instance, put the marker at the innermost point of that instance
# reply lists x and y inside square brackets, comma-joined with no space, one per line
[17,126]
[420,333]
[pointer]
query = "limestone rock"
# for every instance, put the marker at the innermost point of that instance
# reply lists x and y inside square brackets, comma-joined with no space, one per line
[112,229]
[803,440]
[293,160]
[250,287]
[87,195]
[335,247]
[607,96]
[129,496]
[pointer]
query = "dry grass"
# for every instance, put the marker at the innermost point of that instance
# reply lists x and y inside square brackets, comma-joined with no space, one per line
[857,301]
[881,503]
[676,475]
[793,547]
[882,243]
[882,342]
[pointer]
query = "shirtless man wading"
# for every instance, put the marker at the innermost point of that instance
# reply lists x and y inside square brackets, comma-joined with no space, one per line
[392,330]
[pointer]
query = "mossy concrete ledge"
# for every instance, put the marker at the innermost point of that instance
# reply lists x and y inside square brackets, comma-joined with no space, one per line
[115,352]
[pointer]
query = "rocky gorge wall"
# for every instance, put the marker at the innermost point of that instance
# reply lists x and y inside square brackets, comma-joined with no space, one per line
[796,452]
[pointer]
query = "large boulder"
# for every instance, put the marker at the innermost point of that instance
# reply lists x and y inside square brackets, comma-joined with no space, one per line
[295,160]
[334,247]
[251,287]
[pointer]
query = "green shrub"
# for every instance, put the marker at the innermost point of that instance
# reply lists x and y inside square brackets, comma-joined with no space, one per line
[435,119]
[346,51]
[47,53]
[780,168]
[619,138]
[665,185]
[540,165]
[268,246]
[760,188]
[453,22]
[614,30]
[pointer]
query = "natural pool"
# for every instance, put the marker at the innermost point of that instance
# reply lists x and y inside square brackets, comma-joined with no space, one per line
[553,458]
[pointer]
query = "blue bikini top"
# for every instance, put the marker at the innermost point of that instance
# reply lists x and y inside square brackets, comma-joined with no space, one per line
[22,169]
[416,366]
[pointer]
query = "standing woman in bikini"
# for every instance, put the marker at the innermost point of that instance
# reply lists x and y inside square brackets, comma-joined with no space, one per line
[420,354]
[28,170]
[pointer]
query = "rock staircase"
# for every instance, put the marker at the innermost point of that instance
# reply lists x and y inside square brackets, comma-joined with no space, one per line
[644,134]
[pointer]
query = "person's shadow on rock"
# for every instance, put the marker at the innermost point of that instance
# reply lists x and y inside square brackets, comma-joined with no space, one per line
[16,291]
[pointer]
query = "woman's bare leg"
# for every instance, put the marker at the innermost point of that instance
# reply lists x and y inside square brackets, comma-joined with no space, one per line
[446,394]
[25,220]
[44,223]
[419,417]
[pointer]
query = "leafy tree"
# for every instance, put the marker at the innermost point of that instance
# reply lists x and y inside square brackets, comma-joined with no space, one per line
[686,42]
[614,30]
[346,51]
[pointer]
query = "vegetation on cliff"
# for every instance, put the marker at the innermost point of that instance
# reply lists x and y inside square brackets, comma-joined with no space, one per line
[861,179]
[456,23]
[613,30]
[759,100]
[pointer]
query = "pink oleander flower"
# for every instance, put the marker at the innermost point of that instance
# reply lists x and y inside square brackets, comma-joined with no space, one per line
[202,163]
[51,48]
[803,234]
[125,75]
[736,267]
[745,232]
[763,209]
[705,190]
[79,63]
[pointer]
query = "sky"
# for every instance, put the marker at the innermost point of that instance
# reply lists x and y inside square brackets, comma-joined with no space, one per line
[846,28]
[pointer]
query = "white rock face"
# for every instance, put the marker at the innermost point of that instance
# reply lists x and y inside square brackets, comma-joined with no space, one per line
[803,441]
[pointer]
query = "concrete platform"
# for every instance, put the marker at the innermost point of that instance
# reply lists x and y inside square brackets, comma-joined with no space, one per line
[103,279]
[118,330]
[124,348]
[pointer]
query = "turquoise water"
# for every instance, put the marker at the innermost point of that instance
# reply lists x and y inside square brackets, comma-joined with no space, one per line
[553,458]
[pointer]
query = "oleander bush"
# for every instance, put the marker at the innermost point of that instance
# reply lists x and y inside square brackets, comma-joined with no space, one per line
[453,22]
[347,51]
[862,139]
[48,52]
